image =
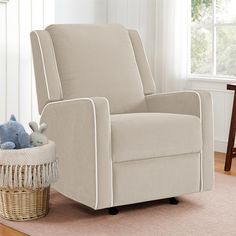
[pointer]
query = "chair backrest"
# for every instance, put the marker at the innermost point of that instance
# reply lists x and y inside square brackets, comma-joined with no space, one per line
[73,61]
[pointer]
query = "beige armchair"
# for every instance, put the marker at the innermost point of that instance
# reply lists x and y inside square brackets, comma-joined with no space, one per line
[117,141]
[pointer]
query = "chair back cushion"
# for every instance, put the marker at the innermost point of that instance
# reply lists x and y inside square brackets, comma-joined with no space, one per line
[98,61]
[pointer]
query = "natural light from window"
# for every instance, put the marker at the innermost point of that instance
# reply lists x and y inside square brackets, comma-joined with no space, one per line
[213,38]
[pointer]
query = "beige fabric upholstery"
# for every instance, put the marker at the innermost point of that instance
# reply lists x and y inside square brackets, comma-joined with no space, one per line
[96,60]
[81,128]
[155,135]
[117,145]
[197,103]
[47,77]
[141,59]
[156,178]
[187,102]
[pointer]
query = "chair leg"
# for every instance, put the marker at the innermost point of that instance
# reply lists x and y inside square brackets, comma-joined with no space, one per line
[173,201]
[232,131]
[113,211]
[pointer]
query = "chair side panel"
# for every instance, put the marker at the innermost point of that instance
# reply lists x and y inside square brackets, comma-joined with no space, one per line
[149,86]
[45,67]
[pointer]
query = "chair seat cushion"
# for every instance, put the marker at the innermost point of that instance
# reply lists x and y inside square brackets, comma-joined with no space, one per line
[137,136]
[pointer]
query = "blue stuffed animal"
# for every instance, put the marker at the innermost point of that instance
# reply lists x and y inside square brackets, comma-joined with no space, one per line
[13,135]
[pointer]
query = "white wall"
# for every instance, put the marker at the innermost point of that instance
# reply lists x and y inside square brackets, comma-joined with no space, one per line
[17,84]
[139,15]
[80,11]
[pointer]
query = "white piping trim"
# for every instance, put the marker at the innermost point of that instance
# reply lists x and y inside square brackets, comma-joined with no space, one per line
[95,153]
[110,154]
[201,153]
[65,101]
[112,184]
[43,62]
[95,137]
[201,173]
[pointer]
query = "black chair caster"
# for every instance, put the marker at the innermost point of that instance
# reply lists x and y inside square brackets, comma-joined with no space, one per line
[173,201]
[113,211]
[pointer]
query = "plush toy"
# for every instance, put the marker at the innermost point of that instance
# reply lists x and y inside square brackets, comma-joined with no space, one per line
[13,135]
[37,138]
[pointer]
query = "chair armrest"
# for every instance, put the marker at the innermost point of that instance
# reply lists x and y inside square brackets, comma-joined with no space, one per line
[187,102]
[81,130]
[197,103]
[208,139]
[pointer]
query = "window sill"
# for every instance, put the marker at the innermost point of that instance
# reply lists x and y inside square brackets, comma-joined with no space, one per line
[211,79]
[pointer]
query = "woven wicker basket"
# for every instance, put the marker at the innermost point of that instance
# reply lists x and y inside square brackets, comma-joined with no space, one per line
[24,204]
[25,189]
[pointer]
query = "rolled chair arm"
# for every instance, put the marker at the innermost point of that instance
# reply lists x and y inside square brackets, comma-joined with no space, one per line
[187,102]
[197,103]
[81,130]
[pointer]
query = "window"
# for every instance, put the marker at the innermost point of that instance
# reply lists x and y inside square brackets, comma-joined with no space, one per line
[213,38]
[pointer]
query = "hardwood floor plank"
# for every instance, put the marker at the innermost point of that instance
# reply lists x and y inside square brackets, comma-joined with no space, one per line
[220,163]
[8,231]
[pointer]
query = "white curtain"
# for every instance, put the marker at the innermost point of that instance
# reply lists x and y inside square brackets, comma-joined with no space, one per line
[172,44]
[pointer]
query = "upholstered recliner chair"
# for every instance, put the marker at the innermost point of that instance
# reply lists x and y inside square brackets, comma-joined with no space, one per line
[118,142]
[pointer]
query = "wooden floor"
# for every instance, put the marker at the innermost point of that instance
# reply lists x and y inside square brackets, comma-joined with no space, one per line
[220,163]
[219,167]
[7,231]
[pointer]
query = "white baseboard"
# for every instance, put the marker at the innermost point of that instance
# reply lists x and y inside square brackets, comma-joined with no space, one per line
[220,146]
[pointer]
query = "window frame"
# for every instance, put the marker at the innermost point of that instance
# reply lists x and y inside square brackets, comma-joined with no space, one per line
[213,26]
